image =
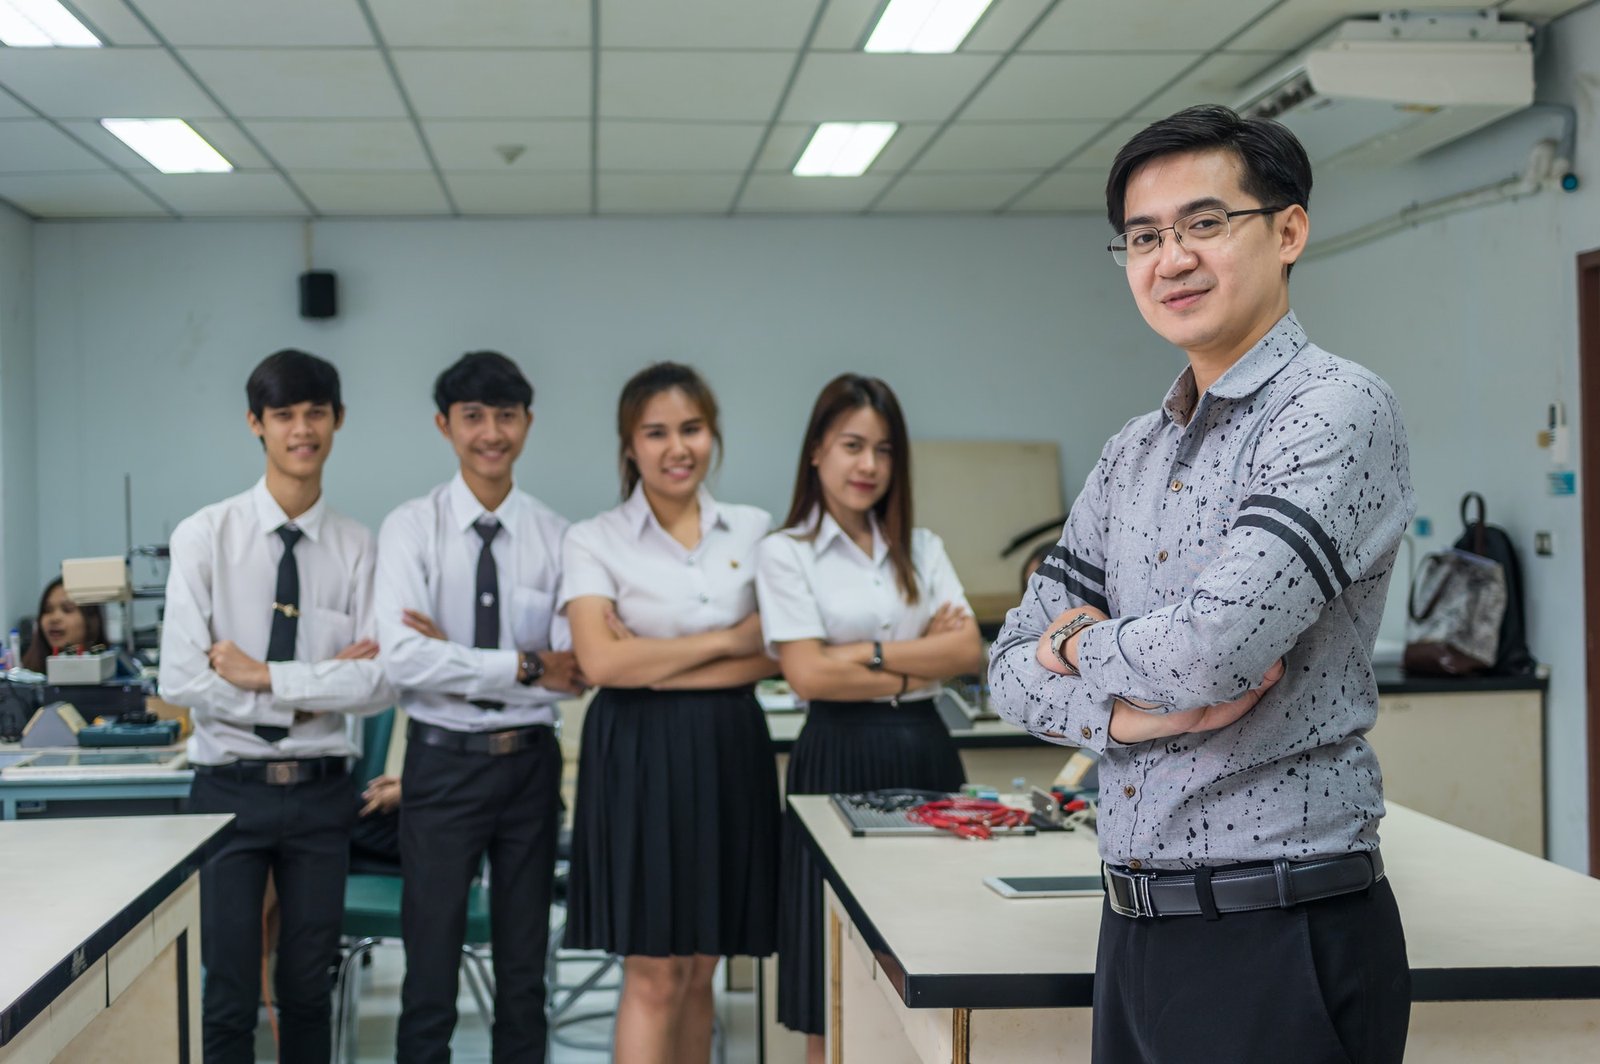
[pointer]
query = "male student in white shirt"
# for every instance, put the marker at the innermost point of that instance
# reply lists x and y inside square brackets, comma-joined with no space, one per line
[268,640]
[467,580]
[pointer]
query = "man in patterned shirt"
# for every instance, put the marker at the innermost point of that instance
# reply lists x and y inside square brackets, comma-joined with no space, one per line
[1206,622]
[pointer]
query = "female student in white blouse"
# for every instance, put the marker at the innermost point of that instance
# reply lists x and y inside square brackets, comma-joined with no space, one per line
[866,615]
[675,834]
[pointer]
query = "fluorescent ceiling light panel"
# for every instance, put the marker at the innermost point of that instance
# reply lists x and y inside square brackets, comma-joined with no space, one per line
[168,144]
[925,25]
[843,149]
[42,24]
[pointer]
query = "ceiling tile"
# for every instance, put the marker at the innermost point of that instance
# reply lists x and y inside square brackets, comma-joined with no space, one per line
[727,86]
[278,24]
[1534,9]
[77,195]
[705,24]
[953,192]
[1142,26]
[667,193]
[980,146]
[675,146]
[478,193]
[229,194]
[1069,190]
[496,83]
[299,82]
[103,83]
[113,21]
[553,145]
[382,144]
[845,24]
[1073,86]
[1003,25]
[483,23]
[856,86]
[1217,80]
[788,140]
[33,145]
[1099,155]
[785,192]
[373,194]
[11,108]
[220,133]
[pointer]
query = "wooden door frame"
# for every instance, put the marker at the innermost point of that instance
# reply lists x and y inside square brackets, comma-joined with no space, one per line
[1589,460]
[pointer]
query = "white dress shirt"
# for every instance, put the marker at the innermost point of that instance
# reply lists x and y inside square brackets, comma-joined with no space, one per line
[662,589]
[221,585]
[827,588]
[428,562]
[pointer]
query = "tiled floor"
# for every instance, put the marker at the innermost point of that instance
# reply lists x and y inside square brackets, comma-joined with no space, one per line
[379,1007]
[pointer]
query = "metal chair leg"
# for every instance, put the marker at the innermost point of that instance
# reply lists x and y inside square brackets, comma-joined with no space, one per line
[344,1000]
[479,982]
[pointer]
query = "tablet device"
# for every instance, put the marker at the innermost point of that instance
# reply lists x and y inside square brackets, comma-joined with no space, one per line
[1045,886]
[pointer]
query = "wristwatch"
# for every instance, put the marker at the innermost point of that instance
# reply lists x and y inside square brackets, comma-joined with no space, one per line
[530,668]
[1058,639]
[876,662]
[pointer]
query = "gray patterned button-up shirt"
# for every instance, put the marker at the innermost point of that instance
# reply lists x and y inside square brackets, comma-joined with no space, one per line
[1259,522]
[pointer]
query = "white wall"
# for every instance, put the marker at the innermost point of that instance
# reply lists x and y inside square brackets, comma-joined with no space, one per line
[18,455]
[146,332]
[1473,321]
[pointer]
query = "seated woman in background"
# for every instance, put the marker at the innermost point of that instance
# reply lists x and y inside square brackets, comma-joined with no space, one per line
[62,623]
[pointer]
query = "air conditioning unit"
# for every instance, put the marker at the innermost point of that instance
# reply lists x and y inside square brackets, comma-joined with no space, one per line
[1378,91]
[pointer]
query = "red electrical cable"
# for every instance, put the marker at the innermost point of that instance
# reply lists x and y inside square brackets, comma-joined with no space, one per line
[968,818]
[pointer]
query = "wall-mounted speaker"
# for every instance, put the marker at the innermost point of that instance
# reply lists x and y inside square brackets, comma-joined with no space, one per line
[319,294]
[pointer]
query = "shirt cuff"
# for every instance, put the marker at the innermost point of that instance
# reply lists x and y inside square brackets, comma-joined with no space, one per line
[497,674]
[274,708]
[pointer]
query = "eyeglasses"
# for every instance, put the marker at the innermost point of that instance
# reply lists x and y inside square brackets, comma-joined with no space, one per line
[1143,242]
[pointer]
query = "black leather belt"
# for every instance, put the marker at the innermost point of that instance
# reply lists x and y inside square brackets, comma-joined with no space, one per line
[1278,885]
[493,743]
[278,773]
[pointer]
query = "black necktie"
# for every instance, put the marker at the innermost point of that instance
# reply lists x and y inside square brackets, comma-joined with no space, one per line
[285,616]
[486,604]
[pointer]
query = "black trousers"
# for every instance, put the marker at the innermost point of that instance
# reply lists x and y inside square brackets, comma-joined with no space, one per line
[302,834]
[455,808]
[1326,982]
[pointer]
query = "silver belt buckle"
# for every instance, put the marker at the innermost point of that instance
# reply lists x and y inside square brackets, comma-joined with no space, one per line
[283,773]
[1138,888]
[504,742]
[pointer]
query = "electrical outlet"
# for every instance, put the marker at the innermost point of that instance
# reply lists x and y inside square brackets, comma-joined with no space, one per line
[1423,527]
[1543,544]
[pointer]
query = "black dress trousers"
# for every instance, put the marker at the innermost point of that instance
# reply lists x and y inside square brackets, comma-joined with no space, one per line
[455,809]
[301,833]
[1326,982]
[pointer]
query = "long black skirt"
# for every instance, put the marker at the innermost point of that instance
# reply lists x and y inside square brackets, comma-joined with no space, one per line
[846,747]
[675,833]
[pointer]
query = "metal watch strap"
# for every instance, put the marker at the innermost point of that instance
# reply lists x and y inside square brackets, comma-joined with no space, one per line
[1058,641]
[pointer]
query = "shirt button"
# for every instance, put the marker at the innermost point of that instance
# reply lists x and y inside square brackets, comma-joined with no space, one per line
[1176,485]
[1088,732]
[1161,557]
[1135,864]
[704,597]
[884,626]
[1128,791]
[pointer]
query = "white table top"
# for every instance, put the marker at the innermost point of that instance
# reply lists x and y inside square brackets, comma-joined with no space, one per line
[72,884]
[1482,920]
[784,728]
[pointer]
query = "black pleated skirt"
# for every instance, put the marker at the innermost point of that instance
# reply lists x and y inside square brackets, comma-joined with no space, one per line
[675,833]
[846,747]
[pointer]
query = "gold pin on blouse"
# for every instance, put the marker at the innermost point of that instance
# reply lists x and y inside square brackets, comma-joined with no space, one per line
[733,563]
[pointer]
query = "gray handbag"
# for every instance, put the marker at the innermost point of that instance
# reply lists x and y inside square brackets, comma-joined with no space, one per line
[1456,630]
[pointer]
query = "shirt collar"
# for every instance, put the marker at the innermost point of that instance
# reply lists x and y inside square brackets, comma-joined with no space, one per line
[830,532]
[1245,377]
[272,517]
[465,509]
[639,516]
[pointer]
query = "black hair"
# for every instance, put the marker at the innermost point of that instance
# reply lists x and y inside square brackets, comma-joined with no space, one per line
[287,377]
[482,377]
[1274,165]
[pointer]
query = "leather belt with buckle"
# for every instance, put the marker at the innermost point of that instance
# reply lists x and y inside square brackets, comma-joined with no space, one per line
[493,743]
[1279,885]
[278,773]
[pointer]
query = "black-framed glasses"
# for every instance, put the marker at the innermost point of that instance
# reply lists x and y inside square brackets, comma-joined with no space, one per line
[1210,224]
